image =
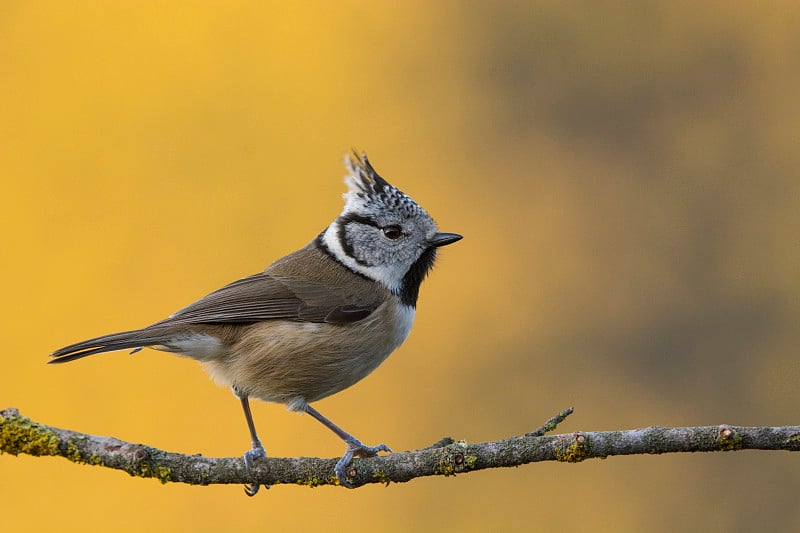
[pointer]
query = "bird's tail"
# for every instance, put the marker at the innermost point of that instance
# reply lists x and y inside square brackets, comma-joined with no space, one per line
[136,340]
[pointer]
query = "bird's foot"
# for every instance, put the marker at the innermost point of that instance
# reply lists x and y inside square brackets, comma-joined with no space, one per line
[355,449]
[257,452]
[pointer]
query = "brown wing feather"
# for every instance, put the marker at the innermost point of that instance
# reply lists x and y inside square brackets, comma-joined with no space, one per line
[286,290]
[251,299]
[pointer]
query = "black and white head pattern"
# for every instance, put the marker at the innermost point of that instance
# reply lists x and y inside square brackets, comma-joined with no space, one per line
[381,233]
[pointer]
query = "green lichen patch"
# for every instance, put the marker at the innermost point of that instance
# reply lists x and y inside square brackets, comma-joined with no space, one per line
[381,477]
[162,473]
[469,461]
[73,453]
[444,468]
[578,450]
[18,434]
[315,481]
[729,440]
[793,442]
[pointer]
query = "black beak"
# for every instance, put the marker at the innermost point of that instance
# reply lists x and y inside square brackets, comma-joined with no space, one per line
[443,239]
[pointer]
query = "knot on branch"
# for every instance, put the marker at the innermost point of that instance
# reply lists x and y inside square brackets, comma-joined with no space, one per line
[729,439]
[454,459]
[574,448]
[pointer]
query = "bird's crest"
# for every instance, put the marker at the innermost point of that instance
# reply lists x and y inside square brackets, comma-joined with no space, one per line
[367,189]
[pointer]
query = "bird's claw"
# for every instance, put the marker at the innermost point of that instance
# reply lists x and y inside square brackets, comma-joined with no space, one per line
[355,449]
[257,452]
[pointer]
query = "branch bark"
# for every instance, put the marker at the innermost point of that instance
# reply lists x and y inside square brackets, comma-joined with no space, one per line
[21,435]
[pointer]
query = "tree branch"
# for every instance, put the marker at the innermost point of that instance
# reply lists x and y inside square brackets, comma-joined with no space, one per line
[21,435]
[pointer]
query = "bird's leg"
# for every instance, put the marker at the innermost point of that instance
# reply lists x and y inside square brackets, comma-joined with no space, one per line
[257,450]
[354,446]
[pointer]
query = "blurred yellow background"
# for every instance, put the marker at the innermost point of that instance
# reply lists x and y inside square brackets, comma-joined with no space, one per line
[625,176]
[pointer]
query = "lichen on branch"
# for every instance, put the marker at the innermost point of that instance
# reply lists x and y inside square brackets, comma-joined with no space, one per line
[21,435]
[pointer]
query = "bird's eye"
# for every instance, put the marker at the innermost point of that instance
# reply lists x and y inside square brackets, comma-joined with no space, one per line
[392,232]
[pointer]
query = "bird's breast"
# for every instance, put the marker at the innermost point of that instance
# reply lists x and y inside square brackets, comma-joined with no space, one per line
[286,362]
[403,320]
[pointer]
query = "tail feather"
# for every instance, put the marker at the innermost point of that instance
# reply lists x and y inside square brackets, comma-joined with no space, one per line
[125,340]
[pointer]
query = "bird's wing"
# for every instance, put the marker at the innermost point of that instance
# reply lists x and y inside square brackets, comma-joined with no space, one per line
[266,297]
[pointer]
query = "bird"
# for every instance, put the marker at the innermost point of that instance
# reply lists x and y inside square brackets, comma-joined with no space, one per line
[314,322]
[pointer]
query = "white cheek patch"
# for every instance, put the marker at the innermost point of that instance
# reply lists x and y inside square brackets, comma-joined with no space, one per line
[390,276]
